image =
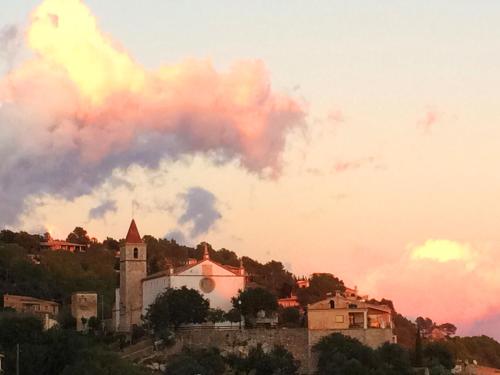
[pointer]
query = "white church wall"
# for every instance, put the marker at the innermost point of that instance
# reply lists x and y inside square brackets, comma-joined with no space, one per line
[223,286]
[151,289]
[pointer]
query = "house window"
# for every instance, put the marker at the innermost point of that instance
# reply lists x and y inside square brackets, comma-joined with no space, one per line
[136,253]
[332,304]
[339,318]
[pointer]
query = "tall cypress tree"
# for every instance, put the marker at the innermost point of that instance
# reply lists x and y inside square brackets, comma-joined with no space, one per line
[418,350]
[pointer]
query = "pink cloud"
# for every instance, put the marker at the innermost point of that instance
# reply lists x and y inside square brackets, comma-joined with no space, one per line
[445,280]
[336,116]
[343,166]
[82,107]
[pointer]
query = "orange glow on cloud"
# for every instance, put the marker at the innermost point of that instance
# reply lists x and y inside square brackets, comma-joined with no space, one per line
[65,33]
[442,251]
[83,98]
[82,77]
[446,280]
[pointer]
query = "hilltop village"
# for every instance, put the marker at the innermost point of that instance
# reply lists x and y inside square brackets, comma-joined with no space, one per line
[156,306]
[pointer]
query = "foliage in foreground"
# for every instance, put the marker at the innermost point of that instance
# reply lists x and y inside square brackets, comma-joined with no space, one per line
[342,355]
[196,361]
[278,361]
[437,355]
[56,351]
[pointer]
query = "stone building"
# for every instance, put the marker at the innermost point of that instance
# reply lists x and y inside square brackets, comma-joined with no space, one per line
[351,316]
[218,283]
[83,307]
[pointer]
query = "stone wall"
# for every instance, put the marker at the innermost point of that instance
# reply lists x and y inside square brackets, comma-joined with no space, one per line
[240,342]
[371,337]
[298,341]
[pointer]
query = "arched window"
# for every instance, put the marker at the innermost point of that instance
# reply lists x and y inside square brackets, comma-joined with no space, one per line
[136,253]
[332,304]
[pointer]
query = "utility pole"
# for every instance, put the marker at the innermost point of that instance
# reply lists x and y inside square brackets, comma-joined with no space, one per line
[17,359]
[239,310]
[102,313]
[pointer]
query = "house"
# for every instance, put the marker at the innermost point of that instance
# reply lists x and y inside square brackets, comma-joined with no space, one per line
[302,283]
[352,316]
[44,309]
[216,282]
[291,301]
[58,245]
[25,304]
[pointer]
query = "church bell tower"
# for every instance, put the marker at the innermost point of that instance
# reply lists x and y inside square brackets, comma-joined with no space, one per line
[132,270]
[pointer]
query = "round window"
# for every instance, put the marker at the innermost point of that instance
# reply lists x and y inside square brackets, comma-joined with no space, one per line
[207,284]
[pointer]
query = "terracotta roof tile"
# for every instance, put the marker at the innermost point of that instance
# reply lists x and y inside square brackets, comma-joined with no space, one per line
[133,235]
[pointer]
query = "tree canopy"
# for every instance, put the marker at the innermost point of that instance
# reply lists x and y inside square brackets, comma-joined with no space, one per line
[320,285]
[56,351]
[30,242]
[209,361]
[79,235]
[175,307]
[483,349]
[279,361]
[251,301]
[205,361]
[343,355]
[58,275]
[437,354]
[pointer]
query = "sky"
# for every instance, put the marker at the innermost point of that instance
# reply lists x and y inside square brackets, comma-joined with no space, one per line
[360,139]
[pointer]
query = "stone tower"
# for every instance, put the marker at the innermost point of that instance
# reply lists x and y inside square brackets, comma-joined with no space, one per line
[132,271]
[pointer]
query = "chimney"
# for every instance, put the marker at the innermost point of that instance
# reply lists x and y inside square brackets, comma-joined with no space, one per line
[206,255]
[242,269]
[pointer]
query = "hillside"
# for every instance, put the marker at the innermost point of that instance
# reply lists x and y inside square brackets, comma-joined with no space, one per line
[26,270]
[483,349]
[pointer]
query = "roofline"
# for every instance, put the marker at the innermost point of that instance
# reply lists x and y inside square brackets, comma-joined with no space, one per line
[85,292]
[380,307]
[31,298]
[167,272]
[156,275]
[204,260]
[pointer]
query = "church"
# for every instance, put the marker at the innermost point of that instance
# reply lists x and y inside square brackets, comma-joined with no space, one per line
[138,290]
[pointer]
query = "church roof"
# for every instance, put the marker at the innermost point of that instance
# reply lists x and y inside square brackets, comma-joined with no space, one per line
[133,235]
[181,269]
[178,270]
